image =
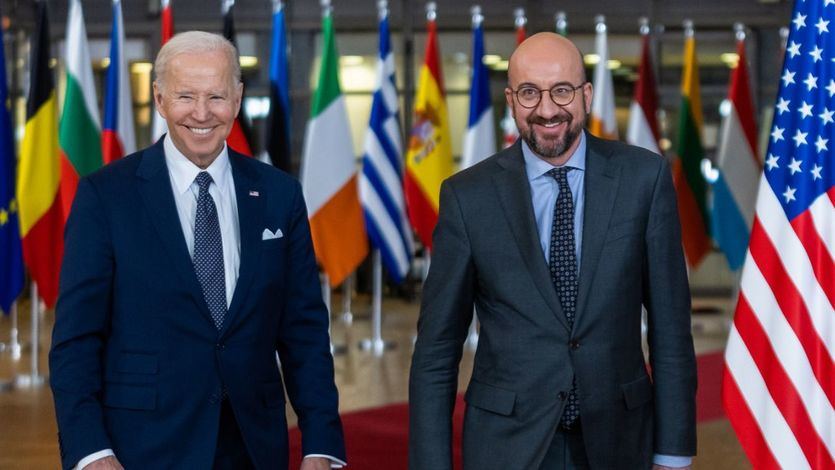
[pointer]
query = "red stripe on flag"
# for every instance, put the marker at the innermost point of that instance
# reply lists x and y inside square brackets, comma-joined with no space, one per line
[43,249]
[780,386]
[432,58]
[791,304]
[421,213]
[237,140]
[111,146]
[822,263]
[745,425]
[741,98]
[69,184]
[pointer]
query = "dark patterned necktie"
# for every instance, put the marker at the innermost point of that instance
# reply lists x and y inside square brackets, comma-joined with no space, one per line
[562,261]
[208,251]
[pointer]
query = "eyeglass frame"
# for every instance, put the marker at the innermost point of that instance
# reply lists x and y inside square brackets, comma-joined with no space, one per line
[540,90]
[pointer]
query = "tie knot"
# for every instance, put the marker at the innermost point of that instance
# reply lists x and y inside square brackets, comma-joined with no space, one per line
[560,174]
[204,179]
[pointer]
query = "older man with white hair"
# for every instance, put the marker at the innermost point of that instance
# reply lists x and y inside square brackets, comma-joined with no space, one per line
[187,267]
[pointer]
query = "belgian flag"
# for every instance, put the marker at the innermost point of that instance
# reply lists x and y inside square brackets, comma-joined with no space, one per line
[38,179]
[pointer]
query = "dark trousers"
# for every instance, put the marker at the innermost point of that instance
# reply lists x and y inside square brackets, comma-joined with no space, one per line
[231,453]
[567,451]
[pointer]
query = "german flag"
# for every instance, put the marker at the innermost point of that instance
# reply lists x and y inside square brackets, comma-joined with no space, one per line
[38,179]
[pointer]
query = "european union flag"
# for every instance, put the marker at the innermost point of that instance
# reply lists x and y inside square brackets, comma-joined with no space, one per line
[11,260]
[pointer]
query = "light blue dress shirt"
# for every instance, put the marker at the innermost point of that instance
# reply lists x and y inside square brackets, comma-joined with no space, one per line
[544,193]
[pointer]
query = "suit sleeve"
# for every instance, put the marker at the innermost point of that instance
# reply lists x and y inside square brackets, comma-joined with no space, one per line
[445,316]
[304,344]
[667,300]
[82,316]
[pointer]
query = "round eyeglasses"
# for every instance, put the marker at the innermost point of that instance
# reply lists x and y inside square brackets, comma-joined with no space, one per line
[561,94]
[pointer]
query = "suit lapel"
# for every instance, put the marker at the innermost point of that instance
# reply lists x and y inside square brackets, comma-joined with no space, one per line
[601,185]
[250,199]
[158,197]
[515,195]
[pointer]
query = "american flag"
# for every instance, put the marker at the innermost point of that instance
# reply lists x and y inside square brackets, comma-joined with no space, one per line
[779,382]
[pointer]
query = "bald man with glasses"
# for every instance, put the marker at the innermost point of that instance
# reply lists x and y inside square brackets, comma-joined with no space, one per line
[558,242]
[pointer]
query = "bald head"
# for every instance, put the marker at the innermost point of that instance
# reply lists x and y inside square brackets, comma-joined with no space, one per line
[546,53]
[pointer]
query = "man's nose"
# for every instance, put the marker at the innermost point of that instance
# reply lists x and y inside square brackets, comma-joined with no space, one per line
[201,110]
[546,107]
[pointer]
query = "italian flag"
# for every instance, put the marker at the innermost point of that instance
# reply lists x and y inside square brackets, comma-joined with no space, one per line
[329,176]
[79,133]
[691,187]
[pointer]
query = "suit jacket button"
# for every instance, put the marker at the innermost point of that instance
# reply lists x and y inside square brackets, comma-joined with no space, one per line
[574,344]
[562,396]
[220,346]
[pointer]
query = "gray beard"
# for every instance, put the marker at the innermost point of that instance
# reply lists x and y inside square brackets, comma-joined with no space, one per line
[556,148]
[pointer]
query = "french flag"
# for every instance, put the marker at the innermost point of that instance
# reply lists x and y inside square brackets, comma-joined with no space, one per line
[118,137]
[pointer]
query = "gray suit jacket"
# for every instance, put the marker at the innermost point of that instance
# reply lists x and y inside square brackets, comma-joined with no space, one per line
[487,253]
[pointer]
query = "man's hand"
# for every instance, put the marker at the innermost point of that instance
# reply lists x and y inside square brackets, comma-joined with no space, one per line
[107,463]
[315,463]
[663,467]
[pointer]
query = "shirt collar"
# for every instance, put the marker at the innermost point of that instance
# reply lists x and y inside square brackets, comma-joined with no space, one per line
[183,171]
[536,167]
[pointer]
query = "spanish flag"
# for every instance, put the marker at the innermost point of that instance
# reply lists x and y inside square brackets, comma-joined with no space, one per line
[41,221]
[691,187]
[429,157]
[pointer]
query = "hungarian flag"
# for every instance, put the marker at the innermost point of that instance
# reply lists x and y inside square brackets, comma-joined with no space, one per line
[238,138]
[159,126]
[278,121]
[480,140]
[118,135]
[691,187]
[643,123]
[602,121]
[79,133]
[329,175]
[738,168]
[11,268]
[429,157]
[511,133]
[38,179]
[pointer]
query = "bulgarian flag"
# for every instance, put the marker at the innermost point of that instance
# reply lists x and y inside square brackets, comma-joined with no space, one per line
[41,220]
[691,187]
[118,137]
[602,121]
[429,157]
[159,126]
[79,134]
[329,174]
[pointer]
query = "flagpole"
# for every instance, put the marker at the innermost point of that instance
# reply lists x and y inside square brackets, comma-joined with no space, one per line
[376,345]
[33,379]
[347,316]
[14,344]
[561,22]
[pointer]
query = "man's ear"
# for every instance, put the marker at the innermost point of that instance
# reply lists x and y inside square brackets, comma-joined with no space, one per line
[508,96]
[239,94]
[157,92]
[588,94]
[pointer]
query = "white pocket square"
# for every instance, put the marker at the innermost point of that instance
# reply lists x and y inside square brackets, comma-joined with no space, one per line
[269,235]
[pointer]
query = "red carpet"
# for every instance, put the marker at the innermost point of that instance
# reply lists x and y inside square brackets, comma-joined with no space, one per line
[377,438]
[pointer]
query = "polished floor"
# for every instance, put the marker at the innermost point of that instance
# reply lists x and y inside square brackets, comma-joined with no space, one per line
[27,422]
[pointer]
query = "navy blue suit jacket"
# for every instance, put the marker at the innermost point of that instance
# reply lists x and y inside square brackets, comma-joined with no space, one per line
[137,365]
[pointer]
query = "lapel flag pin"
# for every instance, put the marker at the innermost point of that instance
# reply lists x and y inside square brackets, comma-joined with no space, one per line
[254,193]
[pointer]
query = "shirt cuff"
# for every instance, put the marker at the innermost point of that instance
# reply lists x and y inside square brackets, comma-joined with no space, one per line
[92,458]
[674,461]
[335,462]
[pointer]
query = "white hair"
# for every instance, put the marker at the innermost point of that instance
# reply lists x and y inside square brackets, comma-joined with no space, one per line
[195,42]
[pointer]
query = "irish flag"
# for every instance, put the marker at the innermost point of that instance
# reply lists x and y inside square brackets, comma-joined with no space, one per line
[691,187]
[79,133]
[602,120]
[329,174]
[429,157]
[41,220]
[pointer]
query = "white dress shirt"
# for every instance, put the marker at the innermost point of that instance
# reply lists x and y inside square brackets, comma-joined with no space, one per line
[183,172]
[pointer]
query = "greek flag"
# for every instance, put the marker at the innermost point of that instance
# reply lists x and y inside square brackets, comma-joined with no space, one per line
[381,182]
